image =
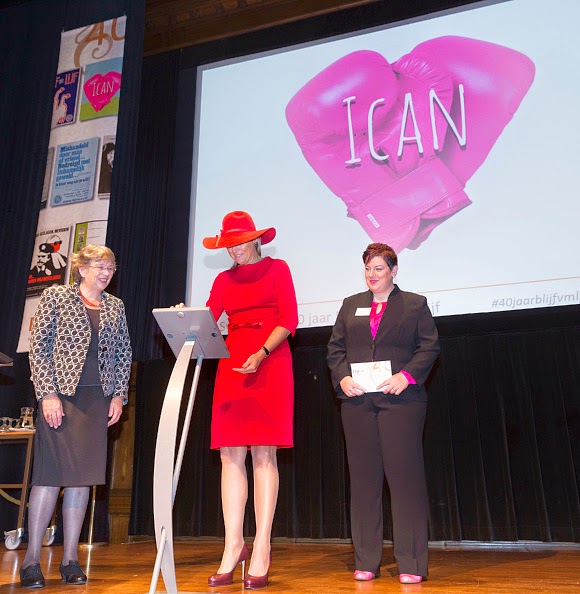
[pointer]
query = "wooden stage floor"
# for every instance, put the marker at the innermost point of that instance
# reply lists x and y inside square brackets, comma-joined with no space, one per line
[309,568]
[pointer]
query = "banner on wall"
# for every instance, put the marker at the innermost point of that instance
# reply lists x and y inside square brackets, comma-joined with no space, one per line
[74,204]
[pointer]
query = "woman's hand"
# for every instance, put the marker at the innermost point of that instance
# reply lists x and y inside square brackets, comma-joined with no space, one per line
[52,410]
[394,385]
[178,306]
[115,410]
[252,363]
[350,387]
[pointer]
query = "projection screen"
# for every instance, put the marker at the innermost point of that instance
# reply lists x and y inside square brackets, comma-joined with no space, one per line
[450,138]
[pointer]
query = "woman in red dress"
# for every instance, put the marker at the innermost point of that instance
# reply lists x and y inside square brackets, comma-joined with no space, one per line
[253,399]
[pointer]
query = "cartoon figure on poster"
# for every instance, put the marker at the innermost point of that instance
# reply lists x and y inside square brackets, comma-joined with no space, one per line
[398,142]
[65,98]
[48,259]
[49,262]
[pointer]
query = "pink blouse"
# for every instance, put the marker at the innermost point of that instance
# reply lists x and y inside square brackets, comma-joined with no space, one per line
[375,320]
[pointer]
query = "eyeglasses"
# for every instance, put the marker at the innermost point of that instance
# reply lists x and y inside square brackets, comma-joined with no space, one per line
[102,269]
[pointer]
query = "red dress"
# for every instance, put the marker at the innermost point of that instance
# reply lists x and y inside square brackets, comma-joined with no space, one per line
[257,408]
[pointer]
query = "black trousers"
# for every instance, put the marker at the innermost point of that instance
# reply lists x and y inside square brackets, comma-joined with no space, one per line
[386,439]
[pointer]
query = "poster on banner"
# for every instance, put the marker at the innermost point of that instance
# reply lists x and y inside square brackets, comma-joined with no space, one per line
[106,168]
[101,89]
[49,260]
[74,179]
[80,155]
[64,105]
[87,233]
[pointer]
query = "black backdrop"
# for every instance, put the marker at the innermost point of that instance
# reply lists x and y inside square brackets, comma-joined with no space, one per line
[502,436]
[503,423]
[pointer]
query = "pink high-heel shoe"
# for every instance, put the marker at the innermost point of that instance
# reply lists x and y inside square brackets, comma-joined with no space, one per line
[364,576]
[409,578]
[255,582]
[225,579]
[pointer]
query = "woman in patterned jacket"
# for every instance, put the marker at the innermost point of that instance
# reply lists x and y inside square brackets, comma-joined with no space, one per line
[80,359]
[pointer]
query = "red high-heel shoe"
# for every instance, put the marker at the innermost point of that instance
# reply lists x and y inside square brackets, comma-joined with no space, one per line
[255,582]
[225,579]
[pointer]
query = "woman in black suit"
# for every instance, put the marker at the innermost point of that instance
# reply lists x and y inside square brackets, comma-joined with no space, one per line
[383,424]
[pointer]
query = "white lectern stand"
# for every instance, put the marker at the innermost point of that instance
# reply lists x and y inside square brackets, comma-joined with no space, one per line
[192,333]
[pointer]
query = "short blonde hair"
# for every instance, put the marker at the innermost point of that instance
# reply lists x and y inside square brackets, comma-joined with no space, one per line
[90,253]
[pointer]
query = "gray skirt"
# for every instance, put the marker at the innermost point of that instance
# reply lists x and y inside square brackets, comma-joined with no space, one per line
[75,454]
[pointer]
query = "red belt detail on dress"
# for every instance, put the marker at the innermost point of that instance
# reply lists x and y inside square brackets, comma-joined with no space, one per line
[234,327]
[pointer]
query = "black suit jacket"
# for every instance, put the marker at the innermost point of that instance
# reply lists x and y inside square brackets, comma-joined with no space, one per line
[407,336]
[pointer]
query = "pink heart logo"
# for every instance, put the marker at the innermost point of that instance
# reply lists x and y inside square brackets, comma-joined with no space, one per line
[99,89]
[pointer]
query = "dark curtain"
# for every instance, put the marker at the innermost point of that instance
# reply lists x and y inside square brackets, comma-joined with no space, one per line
[502,448]
[29,45]
[141,227]
[30,40]
[503,428]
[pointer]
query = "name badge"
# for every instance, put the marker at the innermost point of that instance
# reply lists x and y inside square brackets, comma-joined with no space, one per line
[362,311]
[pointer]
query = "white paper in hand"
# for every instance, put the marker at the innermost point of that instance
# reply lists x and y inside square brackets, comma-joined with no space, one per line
[370,375]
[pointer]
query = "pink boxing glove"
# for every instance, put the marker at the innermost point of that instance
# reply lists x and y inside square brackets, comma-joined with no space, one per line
[348,122]
[454,97]
[493,80]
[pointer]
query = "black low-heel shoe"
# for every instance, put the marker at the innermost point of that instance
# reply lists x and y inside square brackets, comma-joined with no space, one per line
[31,577]
[72,574]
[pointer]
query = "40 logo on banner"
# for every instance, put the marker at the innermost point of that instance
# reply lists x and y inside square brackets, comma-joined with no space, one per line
[103,35]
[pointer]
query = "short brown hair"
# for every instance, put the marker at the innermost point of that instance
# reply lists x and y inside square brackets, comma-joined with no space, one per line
[382,250]
[90,253]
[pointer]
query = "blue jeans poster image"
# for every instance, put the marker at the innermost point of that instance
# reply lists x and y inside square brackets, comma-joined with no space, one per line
[74,176]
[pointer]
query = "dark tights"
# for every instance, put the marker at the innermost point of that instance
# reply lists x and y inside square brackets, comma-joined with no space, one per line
[40,507]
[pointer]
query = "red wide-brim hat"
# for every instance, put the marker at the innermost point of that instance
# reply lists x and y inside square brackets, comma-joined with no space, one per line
[238,227]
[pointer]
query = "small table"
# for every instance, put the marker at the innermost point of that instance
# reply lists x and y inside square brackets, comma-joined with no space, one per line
[13,538]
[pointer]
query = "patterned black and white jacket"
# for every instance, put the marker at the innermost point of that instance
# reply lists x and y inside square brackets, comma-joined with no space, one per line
[61,333]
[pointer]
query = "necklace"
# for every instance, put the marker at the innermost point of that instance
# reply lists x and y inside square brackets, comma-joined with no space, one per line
[89,303]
